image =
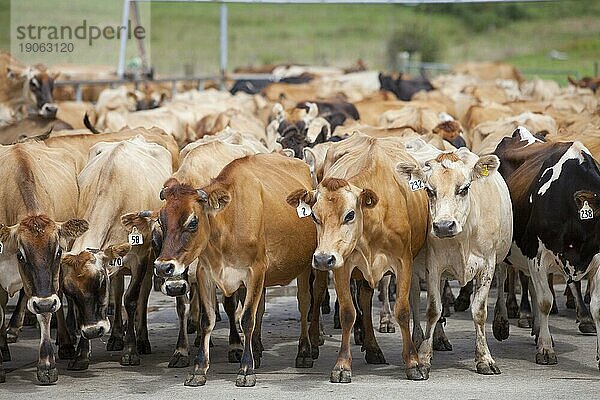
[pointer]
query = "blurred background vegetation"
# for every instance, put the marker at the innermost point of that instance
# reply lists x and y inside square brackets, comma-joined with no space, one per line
[557,35]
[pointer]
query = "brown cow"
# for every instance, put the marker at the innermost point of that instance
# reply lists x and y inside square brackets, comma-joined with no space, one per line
[355,226]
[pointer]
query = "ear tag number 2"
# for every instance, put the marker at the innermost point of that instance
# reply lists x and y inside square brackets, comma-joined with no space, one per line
[135,237]
[303,209]
[586,211]
[415,184]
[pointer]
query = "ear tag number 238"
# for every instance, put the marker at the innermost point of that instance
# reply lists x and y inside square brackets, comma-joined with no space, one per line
[135,237]
[586,212]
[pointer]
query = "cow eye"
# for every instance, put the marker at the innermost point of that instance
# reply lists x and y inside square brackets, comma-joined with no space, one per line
[58,253]
[464,190]
[34,83]
[314,217]
[20,257]
[193,225]
[349,217]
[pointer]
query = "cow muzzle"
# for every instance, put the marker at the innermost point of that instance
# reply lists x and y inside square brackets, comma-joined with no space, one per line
[324,261]
[43,305]
[175,287]
[445,228]
[95,331]
[168,268]
[49,110]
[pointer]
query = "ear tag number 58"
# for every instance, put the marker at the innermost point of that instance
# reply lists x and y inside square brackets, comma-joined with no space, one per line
[586,211]
[135,237]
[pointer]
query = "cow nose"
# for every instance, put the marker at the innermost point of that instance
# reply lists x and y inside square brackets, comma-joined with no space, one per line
[49,110]
[444,228]
[93,332]
[44,305]
[323,261]
[164,269]
[176,288]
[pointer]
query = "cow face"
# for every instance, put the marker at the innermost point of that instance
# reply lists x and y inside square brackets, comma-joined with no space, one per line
[337,210]
[38,242]
[37,88]
[447,180]
[300,128]
[85,281]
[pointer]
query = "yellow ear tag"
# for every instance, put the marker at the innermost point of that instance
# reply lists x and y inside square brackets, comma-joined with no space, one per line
[485,171]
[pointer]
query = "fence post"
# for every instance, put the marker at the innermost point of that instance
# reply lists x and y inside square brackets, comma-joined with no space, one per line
[223,43]
[78,96]
[123,45]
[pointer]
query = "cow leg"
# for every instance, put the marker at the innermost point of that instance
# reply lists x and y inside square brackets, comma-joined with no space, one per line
[192,324]
[554,309]
[463,300]
[359,331]
[415,308]
[588,290]
[336,315]
[15,325]
[115,341]
[586,322]
[46,368]
[570,303]
[180,357]
[4,351]
[66,350]
[82,360]
[440,340]
[386,325]
[414,370]
[71,325]
[257,346]
[325,307]
[234,354]
[448,299]
[595,307]
[373,353]
[483,359]
[342,370]
[143,343]
[500,327]
[217,312]
[130,355]
[254,290]
[543,296]
[525,316]
[314,330]
[206,324]
[512,306]
[433,314]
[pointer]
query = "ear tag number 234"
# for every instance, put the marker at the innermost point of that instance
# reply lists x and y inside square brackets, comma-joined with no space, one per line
[415,184]
[135,237]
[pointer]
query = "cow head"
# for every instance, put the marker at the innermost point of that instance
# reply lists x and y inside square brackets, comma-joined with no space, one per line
[38,242]
[85,281]
[300,128]
[37,87]
[447,180]
[337,210]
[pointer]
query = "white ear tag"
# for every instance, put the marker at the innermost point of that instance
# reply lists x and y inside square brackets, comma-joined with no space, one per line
[586,211]
[116,262]
[135,237]
[415,184]
[1,247]
[303,209]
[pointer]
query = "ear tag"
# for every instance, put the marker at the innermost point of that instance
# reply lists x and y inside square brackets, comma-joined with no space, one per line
[116,262]
[135,237]
[1,247]
[586,211]
[415,184]
[484,170]
[303,209]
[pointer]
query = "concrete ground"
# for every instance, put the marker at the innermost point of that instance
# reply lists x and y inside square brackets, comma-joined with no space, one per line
[453,373]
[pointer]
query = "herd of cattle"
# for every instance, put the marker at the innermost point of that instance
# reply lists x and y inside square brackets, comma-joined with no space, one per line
[354,174]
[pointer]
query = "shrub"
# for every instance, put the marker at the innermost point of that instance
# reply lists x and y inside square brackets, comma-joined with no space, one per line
[414,38]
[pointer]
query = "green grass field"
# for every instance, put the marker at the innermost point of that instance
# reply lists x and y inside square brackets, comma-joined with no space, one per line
[185,36]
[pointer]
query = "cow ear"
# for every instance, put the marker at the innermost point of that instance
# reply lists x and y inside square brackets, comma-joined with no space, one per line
[368,198]
[7,233]
[73,228]
[315,127]
[214,201]
[117,250]
[410,171]
[14,74]
[593,200]
[296,196]
[142,221]
[485,166]
[288,153]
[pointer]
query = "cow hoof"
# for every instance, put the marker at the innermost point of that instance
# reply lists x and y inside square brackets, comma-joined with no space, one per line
[66,352]
[47,376]
[340,376]
[387,327]
[487,368]
[179,360]
[326,309]
[78,364]
[11,337]
[143,346]
[500,328]
[512,307]
[418,373]
[130,359]
[245,380]
[587,327]
[235,355]
[525,322]
[115,344]
[304,361]
[546,358]
[375,357]
[461,303]
[5,352]
[314,352]
[441,344]
[191,326]
[194,380]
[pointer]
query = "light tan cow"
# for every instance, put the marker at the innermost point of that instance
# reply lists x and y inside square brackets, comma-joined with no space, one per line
[467,237]
[367,219]
[489,70]
[39,187]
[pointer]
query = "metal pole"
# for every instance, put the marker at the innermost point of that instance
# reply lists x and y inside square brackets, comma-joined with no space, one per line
[123,48]
[223,42]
